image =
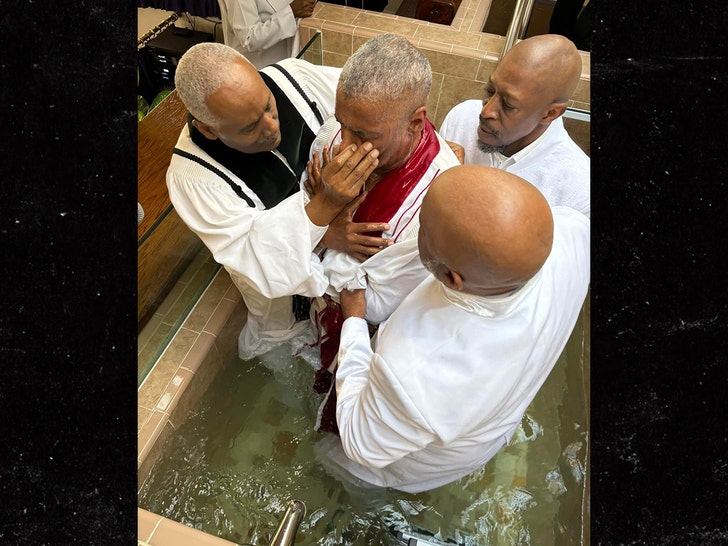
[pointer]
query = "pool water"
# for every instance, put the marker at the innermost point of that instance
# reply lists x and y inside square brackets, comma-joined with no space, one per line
[250,447]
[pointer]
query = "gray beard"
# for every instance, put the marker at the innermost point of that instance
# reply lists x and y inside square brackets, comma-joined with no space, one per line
[488,149]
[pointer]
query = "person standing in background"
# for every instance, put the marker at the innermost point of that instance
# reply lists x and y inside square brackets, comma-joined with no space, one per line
[265,31]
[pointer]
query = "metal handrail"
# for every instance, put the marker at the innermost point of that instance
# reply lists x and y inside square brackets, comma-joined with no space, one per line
[518,25]
[156,31]
[578,114]
[285,535]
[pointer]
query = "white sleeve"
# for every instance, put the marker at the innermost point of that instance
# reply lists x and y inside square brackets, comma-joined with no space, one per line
[317,82]
[388,276]
[271,249]
[377,422]
[251,33]
[445,130]
[461,122]
[391,275]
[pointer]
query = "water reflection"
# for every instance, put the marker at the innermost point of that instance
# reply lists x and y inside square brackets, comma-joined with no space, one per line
[250,448]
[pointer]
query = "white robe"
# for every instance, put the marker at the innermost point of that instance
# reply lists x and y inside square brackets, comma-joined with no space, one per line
[268,252]
[265,31]
[451,374]
[553,163]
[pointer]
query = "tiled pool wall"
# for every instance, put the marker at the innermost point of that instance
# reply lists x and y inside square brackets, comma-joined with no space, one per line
[460,55]
[206,340]
[462,58]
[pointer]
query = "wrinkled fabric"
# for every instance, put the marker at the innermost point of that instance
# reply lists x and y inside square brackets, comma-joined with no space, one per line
[553,163]
[390,274]
[268,252]
[265,31]
[450,376]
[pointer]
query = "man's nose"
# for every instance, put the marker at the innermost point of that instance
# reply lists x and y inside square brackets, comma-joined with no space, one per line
[270,124]
[489,110]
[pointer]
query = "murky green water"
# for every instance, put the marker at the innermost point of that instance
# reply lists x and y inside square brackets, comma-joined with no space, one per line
[250,447]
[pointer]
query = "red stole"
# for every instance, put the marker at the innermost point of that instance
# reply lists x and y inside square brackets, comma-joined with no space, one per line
[380,205]
[385,199]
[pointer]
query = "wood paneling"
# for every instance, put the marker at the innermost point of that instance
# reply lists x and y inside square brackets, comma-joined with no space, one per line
[168,245]
[161,259]
[157,135]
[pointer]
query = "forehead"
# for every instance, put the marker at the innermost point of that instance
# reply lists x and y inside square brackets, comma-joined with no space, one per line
[513,80]
[241,101]
[365,115]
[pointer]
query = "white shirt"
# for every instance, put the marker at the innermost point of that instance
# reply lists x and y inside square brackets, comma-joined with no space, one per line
[265,31]
[268,253]
[451,374]
[553,163]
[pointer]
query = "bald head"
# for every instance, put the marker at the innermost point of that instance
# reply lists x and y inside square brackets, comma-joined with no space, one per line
[484,231]
[551,60]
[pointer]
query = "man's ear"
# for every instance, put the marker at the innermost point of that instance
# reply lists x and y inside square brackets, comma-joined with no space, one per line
[417,119]
[206,130]
[555,110]
[452,279]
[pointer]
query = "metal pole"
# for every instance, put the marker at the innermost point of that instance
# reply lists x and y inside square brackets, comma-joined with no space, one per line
[519,24]
[285,535]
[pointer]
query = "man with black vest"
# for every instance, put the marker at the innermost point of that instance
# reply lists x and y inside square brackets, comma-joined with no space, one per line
[234,180]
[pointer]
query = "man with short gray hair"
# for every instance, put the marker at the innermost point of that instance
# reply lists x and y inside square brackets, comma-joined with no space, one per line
[381,99]
[234,179]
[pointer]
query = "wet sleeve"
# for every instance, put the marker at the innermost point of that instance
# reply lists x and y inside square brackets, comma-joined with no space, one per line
[377,421]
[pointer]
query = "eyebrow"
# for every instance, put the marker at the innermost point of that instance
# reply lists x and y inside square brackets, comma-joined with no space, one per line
[504,94]
[365,135]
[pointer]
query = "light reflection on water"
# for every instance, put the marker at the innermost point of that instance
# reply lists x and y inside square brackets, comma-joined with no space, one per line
[249,448]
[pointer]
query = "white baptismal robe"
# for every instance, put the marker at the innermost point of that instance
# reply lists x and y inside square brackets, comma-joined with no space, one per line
[268,252]
[553,163]
[451,374]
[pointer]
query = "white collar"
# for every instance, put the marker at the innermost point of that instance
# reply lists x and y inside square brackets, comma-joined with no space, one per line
[501,161]
[488,306]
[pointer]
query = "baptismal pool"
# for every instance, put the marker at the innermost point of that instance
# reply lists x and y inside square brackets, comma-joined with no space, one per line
[249,447]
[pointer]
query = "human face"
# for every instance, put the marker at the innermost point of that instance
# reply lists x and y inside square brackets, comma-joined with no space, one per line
[386,127]
[249,116]
[513,111]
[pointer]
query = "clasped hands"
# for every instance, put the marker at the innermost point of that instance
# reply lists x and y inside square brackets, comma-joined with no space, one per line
[345,174]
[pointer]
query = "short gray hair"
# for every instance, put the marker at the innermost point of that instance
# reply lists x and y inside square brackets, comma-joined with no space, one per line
[202,70]
[387,68]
